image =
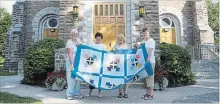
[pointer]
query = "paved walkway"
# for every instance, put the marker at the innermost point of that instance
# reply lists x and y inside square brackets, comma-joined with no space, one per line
[205,91]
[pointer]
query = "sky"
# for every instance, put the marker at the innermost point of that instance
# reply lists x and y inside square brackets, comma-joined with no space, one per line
[8,4]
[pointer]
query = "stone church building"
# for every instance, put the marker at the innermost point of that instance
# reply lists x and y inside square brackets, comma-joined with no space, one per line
[179,22]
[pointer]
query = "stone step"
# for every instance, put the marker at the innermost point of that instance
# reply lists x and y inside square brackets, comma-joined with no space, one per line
[207,77]
[206,74]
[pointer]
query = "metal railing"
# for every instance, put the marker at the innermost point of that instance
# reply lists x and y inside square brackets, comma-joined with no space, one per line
[205,58]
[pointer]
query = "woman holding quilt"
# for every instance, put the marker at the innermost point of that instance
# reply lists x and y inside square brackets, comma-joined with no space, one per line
[119,46]
[73,84]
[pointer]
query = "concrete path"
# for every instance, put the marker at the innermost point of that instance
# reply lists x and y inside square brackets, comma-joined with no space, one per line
[205,91]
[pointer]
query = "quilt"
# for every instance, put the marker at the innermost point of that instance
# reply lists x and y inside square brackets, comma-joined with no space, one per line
[109,70]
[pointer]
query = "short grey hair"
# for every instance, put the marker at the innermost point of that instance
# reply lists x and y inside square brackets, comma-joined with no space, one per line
[74,31]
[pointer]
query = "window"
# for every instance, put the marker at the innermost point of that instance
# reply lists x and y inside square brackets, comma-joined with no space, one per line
[96,10]
[106,10]
[101,10]
[121,9]
[165,22]
[111,10]
[53,22]
[116,9]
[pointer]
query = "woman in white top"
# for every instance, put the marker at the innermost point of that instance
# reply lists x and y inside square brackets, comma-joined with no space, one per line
[97,45]
[119,46]
[73,85]
[150,45]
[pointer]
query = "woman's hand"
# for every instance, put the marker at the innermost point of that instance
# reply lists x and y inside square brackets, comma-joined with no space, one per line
[135,46]
[72,67]
[148,59]
[77,44]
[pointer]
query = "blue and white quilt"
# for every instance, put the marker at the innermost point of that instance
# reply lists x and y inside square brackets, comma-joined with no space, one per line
[108,70]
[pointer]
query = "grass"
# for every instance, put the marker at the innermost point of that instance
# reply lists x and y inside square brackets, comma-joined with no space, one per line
[5,73]
[11,98]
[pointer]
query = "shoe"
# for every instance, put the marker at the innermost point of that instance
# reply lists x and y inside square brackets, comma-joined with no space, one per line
[120,95]
[147,97]
[79,96]
[126,96]
[69,98]
[99,96]
[89,95]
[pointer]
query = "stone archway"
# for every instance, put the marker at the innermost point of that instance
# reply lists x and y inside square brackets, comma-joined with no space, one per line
[36,20]
[173,26]
[177,16]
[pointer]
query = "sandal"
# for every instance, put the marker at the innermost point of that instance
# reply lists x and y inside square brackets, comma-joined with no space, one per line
[147,97]
[126,96]
[120,95]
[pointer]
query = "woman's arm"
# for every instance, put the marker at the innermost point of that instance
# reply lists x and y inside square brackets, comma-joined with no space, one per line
[149,50]
[70,55]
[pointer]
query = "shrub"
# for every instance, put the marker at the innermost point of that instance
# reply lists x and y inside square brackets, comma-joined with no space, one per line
[177,62]
[39,61]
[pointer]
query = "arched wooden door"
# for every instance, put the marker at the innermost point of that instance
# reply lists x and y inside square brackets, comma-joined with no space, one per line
[109,20]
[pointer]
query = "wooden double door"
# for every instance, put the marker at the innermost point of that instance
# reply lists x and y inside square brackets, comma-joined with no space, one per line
[168,35]
[109,20]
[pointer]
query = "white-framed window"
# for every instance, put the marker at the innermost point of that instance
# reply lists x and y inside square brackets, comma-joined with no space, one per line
[48,26]
[166,23]
[51,22]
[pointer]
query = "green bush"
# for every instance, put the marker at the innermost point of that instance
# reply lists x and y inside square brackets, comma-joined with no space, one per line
[177,62]
[40,60]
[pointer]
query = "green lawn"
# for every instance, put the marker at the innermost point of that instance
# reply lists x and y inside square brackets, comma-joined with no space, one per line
[11,98]
[5,73]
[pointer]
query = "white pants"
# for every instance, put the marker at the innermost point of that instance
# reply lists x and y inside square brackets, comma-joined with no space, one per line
[73,86]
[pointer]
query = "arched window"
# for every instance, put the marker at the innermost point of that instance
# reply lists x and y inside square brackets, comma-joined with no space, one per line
[49,26]
[167,30]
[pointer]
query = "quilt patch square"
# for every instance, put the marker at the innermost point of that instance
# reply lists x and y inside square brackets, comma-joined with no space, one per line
[111,83]
[113,64]
[91,61]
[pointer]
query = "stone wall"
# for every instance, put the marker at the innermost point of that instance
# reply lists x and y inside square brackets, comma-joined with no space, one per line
[31,10]
[203,33]
[66,18]
[15,38]
[60,59]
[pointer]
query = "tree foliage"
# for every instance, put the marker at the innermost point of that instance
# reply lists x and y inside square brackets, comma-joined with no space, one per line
[213,17]
[5,23]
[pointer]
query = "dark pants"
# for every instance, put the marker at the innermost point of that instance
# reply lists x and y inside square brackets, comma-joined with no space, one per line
[91,87]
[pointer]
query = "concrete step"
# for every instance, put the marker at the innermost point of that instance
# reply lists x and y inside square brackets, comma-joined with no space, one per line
[206,74]
[205,66]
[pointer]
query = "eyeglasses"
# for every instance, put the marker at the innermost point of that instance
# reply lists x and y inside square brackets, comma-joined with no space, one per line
[142,35]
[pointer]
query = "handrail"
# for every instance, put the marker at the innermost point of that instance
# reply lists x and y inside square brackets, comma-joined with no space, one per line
[212,52]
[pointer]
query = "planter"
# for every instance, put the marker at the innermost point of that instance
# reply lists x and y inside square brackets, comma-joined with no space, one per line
[161,84]
[57,85]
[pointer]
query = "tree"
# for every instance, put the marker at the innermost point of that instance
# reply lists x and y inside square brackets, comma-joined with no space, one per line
[5,23]
[213,17]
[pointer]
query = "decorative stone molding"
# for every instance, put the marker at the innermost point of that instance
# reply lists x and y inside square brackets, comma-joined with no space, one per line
[38,17]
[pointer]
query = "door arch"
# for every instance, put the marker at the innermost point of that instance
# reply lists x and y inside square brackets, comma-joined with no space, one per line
[170,29]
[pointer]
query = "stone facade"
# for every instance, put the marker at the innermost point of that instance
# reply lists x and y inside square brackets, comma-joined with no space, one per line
[190,18]
[15,39]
